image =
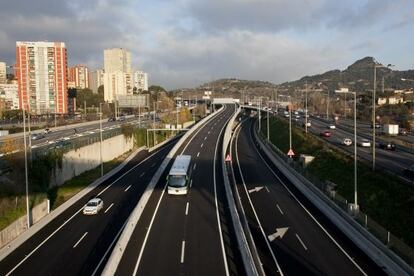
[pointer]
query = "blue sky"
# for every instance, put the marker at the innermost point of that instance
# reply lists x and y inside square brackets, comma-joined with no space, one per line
[184,43]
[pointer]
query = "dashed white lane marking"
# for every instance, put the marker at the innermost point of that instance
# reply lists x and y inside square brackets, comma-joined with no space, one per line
[182,251]
[280,210]
[107,209]
[142,174]
[198,154]
[153,164]
[127,188]
[191,183]
[208,132]
[194,167]
[201,145]
[186,208]
[304,246]
[205,138]
[267,189]
[83,236]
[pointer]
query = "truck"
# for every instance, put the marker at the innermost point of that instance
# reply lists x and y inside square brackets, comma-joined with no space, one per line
[179,175]
[390,129]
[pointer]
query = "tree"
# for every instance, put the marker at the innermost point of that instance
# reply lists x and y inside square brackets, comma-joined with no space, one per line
[156,88]
[90,98]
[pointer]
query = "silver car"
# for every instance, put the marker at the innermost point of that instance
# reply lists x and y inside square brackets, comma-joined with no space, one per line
[93,206]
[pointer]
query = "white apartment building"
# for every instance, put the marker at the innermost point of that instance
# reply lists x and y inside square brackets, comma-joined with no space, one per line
[9,92]
[3,72]
[141,81]
[96,79]
[118,73]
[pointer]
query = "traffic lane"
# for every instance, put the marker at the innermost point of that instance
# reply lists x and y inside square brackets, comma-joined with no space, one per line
[393,161]
[131,258]
[298,251]
[203,233]
[178,245]
[348,246]
[26,248]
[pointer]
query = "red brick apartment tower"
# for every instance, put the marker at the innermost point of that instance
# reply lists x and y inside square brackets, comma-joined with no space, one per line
[41,71]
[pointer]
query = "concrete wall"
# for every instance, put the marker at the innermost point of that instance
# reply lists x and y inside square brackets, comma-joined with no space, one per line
[20,225]
[86,158]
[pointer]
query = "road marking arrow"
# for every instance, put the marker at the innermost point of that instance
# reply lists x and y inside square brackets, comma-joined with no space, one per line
[256,189]
[280,232]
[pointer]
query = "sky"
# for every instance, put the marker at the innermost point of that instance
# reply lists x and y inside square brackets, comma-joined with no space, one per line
[184,43]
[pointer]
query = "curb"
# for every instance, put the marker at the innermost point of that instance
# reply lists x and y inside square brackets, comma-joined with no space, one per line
[120,247]
[7,249]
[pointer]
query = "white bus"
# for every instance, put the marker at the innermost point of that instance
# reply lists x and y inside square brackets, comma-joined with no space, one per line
[178,178]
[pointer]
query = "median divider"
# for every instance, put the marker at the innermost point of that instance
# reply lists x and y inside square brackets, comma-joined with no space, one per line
[243,244]
[119,248]
[7,249]
[376,250]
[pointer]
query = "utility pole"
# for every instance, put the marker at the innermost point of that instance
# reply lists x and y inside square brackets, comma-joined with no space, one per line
[373,116]
[84,107]
[306,107]
[268,133]
[100,132]
[327,105]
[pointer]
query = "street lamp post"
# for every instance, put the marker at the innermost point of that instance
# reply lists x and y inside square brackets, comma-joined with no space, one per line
[260,113]
[356,208]
[306,107]
[100,132]
[327,105]
[268,133]
[376,65]
[290,124]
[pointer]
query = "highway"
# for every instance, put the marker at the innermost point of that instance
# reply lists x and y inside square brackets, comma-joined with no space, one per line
[190,234]
[72,131]
[75,244]
[392,161]
[291,235]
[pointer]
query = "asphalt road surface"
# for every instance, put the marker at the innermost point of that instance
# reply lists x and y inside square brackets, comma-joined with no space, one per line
[291,235]
[188,234]
[75,244]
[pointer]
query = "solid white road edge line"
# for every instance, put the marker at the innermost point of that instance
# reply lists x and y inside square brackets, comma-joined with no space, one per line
[309,213]
[216,201]
[127,188]
[254,210]
[141,252]
[63,224]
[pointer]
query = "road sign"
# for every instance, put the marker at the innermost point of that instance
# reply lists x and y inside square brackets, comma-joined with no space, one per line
[228,158]
[290,153]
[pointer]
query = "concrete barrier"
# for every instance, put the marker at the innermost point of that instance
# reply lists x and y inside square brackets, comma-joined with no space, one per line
[119,249]
[376,250]
[20,225]
[247,258]
[5,251]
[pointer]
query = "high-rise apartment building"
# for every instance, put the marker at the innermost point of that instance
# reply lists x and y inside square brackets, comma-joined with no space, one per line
[141,81]
[79,74]
[41,69]
[96,79]
[117,76]
[3,72]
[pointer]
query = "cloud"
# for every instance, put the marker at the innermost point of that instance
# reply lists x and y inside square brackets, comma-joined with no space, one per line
[187,42]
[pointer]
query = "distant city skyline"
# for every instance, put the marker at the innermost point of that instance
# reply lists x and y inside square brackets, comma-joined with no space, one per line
[190,42]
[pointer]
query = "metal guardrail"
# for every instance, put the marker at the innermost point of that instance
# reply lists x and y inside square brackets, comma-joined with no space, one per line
[240,231]
[363,231]
[120,247]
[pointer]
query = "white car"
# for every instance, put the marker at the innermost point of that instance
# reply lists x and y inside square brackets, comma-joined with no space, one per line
[331,126]
[93,206]
[347,141]
[364,143]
